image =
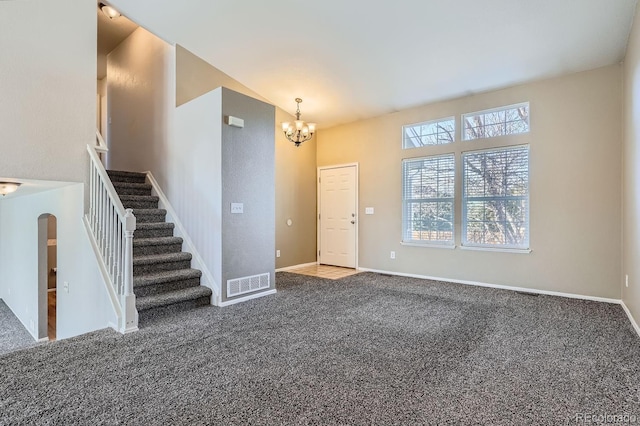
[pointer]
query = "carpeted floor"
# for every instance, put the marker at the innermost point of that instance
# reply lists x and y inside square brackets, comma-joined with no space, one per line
[366,349]
[13,335]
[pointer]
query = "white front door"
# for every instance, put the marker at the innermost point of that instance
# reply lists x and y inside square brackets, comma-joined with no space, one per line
[337,220]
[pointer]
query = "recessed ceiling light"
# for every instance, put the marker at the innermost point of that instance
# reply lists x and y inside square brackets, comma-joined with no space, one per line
[8,187]
[110,11]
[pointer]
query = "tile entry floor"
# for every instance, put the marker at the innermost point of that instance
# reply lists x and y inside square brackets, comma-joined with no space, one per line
[325,271]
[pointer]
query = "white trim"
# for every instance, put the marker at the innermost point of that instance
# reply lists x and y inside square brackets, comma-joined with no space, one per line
[43,340]
[498,286]
[101,145]
[428,245]
[357,212]
[496,249]
[633,321]
[302,265]
[246,298]
[196,259]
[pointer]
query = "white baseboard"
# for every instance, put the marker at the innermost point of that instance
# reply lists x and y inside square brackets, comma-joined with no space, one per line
[43,340]
[249,297]
[302,265]
[498,286]
[633,321]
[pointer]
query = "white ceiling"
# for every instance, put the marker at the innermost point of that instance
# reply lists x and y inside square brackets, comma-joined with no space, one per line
[30,187]
[356,59]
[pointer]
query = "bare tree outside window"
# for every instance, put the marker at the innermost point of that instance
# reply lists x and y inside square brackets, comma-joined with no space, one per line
[435,132]
[496,198]
[498,122]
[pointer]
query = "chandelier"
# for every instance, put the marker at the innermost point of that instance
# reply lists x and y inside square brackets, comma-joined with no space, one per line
[299,131]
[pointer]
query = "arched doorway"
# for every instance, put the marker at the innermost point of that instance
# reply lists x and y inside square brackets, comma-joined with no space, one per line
[47,276]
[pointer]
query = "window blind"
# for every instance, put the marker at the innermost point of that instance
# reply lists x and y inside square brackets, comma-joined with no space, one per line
[428,199]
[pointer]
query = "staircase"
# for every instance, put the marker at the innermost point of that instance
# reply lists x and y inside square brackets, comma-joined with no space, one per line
[163,280]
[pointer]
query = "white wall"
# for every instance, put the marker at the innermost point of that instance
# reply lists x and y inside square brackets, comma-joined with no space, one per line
[631,168]
[193,180]
[47,87]
[575,187]
[86,307]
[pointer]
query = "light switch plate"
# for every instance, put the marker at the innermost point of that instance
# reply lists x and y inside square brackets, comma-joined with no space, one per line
[237,208]
[368,210]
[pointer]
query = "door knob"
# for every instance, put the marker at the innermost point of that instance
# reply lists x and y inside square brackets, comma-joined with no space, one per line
[353,222]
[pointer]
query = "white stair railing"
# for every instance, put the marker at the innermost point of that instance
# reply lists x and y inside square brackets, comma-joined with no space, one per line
[112,230]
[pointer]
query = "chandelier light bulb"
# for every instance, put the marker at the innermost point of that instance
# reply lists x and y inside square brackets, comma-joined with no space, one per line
[299,131]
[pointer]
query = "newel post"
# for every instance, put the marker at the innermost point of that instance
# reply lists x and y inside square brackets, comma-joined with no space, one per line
[129,311]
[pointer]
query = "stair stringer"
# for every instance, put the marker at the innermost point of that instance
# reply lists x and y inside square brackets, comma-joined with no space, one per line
[197,262]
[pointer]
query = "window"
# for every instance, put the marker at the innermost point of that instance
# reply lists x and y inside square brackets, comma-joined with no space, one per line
[495,198]
[435,132]
[496,122]
[428,191]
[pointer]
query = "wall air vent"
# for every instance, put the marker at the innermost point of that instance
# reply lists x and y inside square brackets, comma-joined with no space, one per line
[238,286]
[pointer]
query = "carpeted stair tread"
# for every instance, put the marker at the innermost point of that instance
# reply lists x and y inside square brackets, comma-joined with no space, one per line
[135,185]
[152,212]
[165,277]
[124,176]
[150,215]
[132,188]
[156,241]
[153,229]
[161,258]
[149,198]
[139,201]
[154,225]
[171,298]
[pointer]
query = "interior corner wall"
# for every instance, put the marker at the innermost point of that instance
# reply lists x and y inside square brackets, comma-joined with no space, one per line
[48,85]
[86,306]
[296,198]
[631,172]
[575,187]
[140,101]
[295,167]
[248,177]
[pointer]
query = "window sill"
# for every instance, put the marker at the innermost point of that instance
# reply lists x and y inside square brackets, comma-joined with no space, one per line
[497,249]
[427,245]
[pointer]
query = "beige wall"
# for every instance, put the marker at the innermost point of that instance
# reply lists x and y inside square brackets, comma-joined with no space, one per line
[47,87]
[295,167]
[631,180]
[575,195]
[139,102]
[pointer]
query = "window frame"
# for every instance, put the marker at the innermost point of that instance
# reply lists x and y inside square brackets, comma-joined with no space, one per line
[464,243]
[428,122]
[463,129]
[406,203]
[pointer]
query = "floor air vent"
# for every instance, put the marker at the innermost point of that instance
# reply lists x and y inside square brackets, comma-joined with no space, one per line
[243,285]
